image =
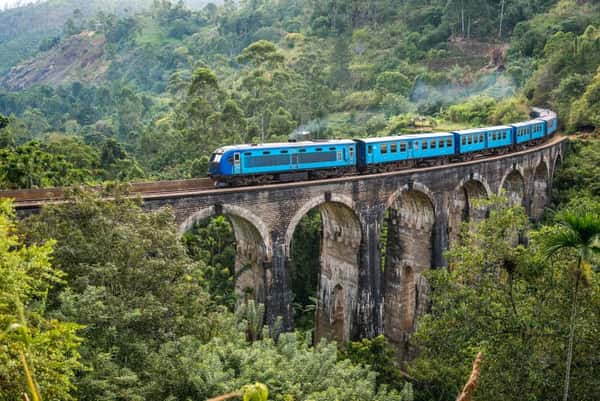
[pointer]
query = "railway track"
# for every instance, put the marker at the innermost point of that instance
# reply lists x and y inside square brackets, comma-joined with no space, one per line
[27,198]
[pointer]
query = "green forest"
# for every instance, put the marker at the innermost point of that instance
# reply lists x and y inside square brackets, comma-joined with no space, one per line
[104,301]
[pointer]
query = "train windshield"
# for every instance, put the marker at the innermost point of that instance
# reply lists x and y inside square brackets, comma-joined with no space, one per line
[216,157]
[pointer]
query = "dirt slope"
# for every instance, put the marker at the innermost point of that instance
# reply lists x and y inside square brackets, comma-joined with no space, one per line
[78,58]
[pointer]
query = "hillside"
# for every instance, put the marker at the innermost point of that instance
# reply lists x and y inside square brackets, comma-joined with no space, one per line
[168,83]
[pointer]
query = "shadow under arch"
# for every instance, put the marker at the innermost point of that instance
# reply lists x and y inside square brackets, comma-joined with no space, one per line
[557,163]
[253,247]
[410,221]
[338,276]
[513,186]
[462,204]
[540,191]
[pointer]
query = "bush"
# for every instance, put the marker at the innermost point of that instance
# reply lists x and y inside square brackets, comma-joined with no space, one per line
[362,100]
[474,111]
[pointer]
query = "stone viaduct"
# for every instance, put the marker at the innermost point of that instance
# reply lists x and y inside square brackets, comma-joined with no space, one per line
[357,296]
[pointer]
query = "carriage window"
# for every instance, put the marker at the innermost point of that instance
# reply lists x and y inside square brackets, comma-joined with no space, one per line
[448,142]
[480,137]
[332,148]
[402,147]
[442,143]
[470,140]
[383,148]
[416,145]
[494,136]
[475,138]
[370,149]
[266,153]
[302,150]
[284,151]
[464,140]
[424,145]
[319,149]
[248,154]
[394,147]
[433,144]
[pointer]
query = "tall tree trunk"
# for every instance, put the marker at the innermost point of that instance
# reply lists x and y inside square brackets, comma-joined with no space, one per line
[572,331]
[462,19]
[501,18]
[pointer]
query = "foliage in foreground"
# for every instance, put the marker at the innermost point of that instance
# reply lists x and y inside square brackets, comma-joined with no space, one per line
[29,339]
[512,303]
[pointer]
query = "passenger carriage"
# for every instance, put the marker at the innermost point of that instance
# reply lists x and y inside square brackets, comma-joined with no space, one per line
[551,123]
[391,152]
[483,141]
[528,132]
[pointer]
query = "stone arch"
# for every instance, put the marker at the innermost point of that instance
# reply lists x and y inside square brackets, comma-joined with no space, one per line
[307,207]
[337,292]
[540,193]
[558,160]
[513,186]
[253,247]
[462,204]
[409,252]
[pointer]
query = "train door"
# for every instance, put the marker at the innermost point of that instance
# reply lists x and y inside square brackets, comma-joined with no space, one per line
[294,160]
[351,153]
[237,165]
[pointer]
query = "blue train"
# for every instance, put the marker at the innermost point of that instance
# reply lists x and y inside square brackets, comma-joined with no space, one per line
[296,161]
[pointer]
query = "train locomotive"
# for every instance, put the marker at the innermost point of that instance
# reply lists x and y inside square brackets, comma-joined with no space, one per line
[255,164]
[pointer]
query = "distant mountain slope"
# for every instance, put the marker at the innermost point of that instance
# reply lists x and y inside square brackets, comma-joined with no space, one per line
[78,58]
[24,29]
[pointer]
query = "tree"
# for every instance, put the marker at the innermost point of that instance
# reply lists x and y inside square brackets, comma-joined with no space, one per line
[130,282]
[35,347]
[578,233]
[263,84]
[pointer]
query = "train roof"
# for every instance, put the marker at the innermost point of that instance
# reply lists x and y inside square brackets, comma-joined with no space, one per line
[544,113]
[526,123]
[277,145]
[547,117]
[408,136]
[482,129]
